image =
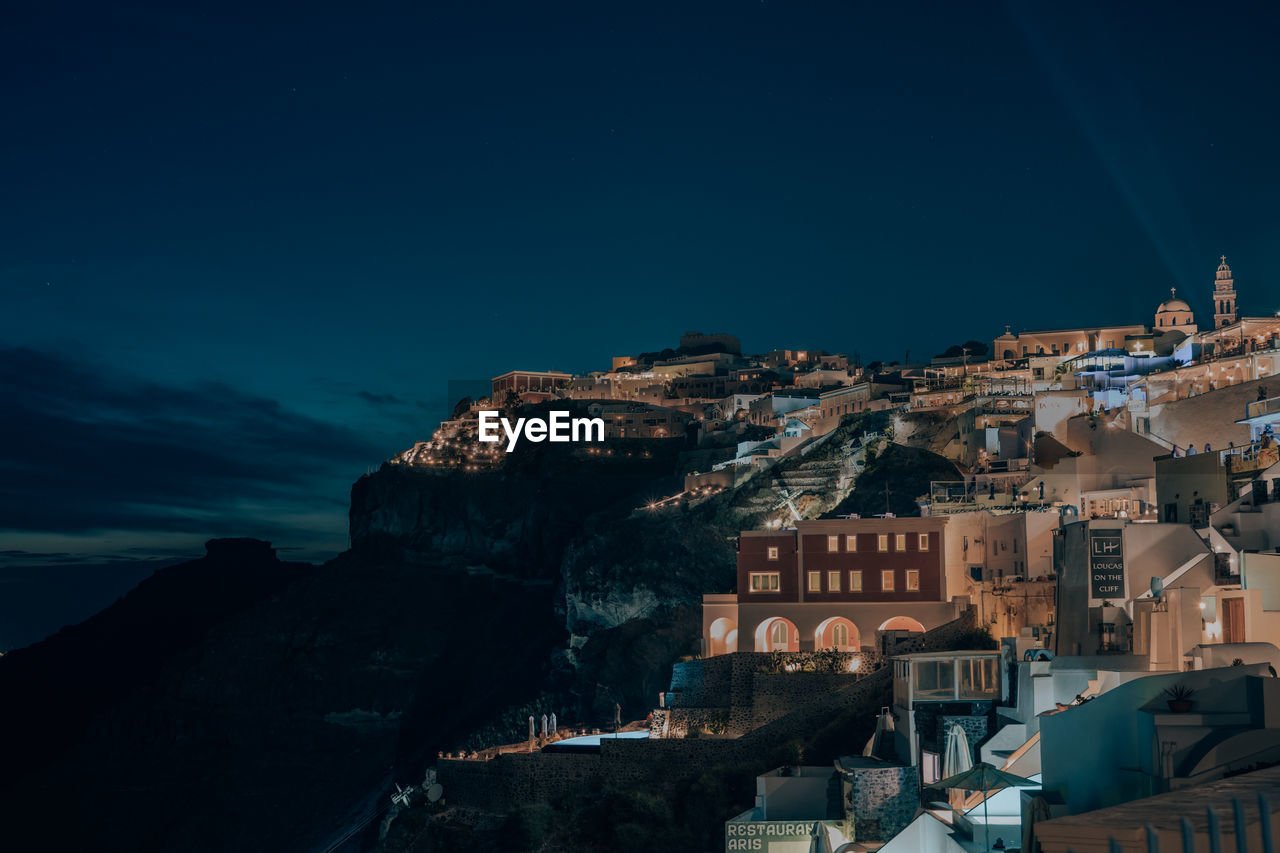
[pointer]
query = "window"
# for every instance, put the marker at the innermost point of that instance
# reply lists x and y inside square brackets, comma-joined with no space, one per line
[929,767]
[833,581]
[886,580]
[935,679]
[1015,546]
[882,542]
[913,580]
[840,635]
[764,581]
[833,543]
[851,542]
[773,552]
[977,677]
[900,542]
[815,581]
[778,635]
[924,542]
[855,581]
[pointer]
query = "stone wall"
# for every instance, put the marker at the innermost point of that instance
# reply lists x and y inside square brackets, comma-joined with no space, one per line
[777,694]
[880,801]
[976,728]
[510,778]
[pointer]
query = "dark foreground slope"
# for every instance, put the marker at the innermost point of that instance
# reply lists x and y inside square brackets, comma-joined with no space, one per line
[181,720]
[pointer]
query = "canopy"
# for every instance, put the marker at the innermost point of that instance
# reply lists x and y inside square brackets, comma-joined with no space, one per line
[983,777]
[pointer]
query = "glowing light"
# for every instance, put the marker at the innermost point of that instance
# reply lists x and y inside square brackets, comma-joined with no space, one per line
[855,664]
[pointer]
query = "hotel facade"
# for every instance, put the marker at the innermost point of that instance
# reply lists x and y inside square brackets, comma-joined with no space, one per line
[832,584]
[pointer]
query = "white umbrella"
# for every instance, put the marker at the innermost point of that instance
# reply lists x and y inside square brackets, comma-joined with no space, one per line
[957,757]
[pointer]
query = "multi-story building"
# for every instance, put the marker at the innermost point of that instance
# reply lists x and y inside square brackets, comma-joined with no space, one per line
[1062,342]
[638,420]
[832,584]
[528,382]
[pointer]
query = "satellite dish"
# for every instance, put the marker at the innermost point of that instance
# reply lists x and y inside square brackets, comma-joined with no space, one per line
[1157,586]
[435,792]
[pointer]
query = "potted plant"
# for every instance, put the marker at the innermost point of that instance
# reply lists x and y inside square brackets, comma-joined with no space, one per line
[1179,698]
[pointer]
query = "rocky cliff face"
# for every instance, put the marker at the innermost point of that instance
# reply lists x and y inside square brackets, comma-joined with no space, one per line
[239,702]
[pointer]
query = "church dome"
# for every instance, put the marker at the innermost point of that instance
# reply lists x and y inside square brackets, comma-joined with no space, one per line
[1175,314]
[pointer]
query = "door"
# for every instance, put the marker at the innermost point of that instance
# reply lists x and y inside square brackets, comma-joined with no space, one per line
[1233,620]
[778,639]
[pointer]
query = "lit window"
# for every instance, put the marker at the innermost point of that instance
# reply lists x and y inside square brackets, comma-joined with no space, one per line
[913,580]
[851,542]
[815,581]
[855,581]
[764,581]
[886,580]
[773,552]
[833,543]
[900,542]
[924,541]
[882,542]
[833,581]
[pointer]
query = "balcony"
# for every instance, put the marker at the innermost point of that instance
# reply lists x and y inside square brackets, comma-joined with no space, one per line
[1269,406]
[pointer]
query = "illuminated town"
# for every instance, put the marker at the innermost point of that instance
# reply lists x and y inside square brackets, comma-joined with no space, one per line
[1096,561]
[685,427]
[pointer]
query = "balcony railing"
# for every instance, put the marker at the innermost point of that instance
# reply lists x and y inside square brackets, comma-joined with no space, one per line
[1269,406]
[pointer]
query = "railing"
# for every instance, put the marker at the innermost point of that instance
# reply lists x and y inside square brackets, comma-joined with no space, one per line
[1214,831]
[1269,406]
[1251,457]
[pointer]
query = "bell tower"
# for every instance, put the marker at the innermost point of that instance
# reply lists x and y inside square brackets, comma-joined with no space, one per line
[1224,296]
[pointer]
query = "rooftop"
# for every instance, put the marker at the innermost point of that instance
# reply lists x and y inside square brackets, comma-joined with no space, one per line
[1165,811]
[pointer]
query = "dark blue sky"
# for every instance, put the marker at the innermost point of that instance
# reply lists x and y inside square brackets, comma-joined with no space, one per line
[245,248]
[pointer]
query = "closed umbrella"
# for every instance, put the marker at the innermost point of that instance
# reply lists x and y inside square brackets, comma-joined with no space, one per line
[881,740]
[819,841]
[983,777]
[957,757]
[1039,811]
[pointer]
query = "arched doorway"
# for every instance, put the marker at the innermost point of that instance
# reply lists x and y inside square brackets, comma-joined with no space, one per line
[724,636]
[902,623]
[777,634]
[837,633]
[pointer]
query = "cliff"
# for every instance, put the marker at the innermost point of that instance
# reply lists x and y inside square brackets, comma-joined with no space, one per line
[241,702]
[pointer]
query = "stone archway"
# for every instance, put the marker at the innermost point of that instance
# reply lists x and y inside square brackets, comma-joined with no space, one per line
[902,623]
[837,633]
[723,636]
[777,634]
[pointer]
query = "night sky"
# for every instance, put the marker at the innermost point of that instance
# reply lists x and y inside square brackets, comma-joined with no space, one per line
[243,248]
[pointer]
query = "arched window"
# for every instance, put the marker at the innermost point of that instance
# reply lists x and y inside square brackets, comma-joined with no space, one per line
[840,635]
[778,634]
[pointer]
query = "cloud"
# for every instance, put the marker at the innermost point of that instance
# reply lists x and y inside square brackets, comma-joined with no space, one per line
[380,399]
[83,450]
